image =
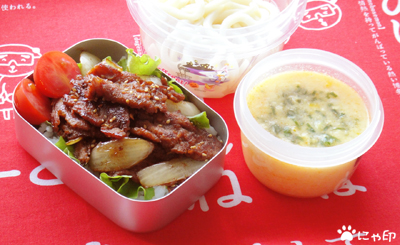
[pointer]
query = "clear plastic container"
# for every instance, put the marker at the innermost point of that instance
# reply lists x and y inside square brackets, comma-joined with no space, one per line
[211,62]
[297,170]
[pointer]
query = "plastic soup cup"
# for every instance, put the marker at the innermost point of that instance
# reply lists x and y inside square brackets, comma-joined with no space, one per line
[295,170]
[207,61]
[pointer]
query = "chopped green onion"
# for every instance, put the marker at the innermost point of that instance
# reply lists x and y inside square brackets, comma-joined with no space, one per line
[80,67]
[108,58]
[126,187]
[310,128]
[200,120]
[172,84]
[331,94]
[329,140]
[273,110]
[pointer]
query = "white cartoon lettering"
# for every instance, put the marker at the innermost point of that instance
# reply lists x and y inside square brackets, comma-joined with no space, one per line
[11,7]
[386,9]
[228,148]
[346,241]
[351,189]
[388,236]
[396,11]
[10,173]
[236,198]
[396,30]
[16,60]
[138,44]
[320,15]
[226,201]
[203,204]
[34,178]
[5,97]
[294,242]
[94,243]
[347,189]
[6,113]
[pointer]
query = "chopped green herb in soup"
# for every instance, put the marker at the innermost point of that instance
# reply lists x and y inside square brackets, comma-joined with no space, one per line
[308,109]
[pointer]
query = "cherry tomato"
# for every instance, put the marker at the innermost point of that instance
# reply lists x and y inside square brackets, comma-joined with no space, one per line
[31,104]
[53,73]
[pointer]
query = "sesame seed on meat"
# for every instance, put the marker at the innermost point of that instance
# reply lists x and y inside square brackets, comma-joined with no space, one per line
[109,103]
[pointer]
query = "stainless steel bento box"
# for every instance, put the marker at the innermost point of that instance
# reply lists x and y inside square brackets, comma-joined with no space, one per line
[133,215]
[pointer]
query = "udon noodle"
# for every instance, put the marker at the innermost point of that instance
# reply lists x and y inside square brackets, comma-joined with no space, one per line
[222,14]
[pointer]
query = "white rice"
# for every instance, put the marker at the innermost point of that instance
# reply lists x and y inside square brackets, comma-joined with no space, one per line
[48,132]
[160,191]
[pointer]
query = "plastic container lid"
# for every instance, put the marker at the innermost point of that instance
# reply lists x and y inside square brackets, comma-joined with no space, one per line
[203,42]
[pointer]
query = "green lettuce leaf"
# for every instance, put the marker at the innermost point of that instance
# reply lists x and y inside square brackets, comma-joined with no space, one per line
[123,63]
[200,120]
[67,149]
[126,187]
[141,65]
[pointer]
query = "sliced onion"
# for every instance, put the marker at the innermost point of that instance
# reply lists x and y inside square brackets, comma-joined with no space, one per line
[167,173]
[119,154]
[88,61]
[211,130]
[185,107]
[111,63]
[154,79]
